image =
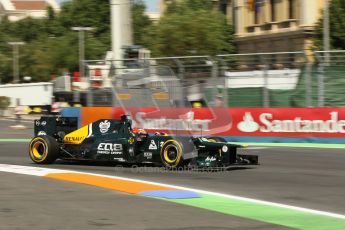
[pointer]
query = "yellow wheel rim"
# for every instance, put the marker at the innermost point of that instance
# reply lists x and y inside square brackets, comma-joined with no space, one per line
[166,153]
[170,146]
[38,149]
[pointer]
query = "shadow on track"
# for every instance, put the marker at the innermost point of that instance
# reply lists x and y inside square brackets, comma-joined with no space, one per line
[149,167]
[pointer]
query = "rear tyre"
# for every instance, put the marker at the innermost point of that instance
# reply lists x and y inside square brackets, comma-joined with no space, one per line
[171,154]
[43,150]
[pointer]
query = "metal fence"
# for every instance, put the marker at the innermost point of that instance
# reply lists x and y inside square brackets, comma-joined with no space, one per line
[330,69]
[284,79]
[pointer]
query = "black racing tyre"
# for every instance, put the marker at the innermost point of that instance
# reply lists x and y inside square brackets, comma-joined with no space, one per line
[43,150]
[171,154]
[216,139]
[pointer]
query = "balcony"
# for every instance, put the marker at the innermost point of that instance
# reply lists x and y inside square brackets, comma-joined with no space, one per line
[290,23]
[272,26]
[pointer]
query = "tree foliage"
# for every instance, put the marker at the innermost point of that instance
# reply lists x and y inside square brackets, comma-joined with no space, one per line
[140,21]
[336,24]
[88,13]
[181,6]
[190,27]
[51,47]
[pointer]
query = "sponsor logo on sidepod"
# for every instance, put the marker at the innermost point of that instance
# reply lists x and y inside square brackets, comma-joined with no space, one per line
[104,126]
[73,139]
[109,148]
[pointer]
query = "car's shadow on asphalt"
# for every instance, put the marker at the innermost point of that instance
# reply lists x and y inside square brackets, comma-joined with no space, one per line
[93,163]
[150,167]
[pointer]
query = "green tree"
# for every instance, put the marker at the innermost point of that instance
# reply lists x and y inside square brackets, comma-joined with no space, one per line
[48,56]
[91,13]
[5,58]
[5,68]
[181,6]
[51,47]
[140,21]
[4,103]
[190,29]
[337,26]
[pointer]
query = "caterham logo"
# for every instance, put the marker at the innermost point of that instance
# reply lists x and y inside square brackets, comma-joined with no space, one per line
[104,126]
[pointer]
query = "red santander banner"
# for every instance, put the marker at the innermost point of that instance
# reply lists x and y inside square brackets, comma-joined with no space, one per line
[288,122]
[259,122]
[203,121]
[279,122]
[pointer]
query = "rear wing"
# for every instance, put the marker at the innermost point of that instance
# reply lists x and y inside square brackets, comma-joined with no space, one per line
[53,125]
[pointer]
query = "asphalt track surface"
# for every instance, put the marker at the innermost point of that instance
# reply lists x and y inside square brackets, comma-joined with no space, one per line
[305,177]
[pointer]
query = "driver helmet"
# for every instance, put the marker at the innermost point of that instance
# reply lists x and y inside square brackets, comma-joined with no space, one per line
[139,131]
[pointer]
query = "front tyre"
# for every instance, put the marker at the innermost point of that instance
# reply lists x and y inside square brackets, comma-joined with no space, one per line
[43,150]
[171,154]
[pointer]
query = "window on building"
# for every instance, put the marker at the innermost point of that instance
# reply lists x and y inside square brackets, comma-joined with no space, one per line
[223,6]
[273,10]
[256,16]
[292,6]
[257,7]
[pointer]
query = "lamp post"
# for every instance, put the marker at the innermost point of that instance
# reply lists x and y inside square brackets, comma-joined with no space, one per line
[15,46]
[121,29]
[81,32]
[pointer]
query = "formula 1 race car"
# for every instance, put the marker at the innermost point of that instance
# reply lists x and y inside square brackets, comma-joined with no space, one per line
[116,141]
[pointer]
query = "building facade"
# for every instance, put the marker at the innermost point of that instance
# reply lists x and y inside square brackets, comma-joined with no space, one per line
[15,10]
[275,25]
[270,25]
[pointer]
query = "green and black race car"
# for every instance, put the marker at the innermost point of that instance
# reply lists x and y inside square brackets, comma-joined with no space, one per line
[116,141]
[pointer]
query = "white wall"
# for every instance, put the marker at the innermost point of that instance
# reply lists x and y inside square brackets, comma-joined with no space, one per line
[286,79]
[28,94]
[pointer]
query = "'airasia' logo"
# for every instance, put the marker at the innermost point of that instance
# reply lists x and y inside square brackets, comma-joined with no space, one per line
[297,125]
